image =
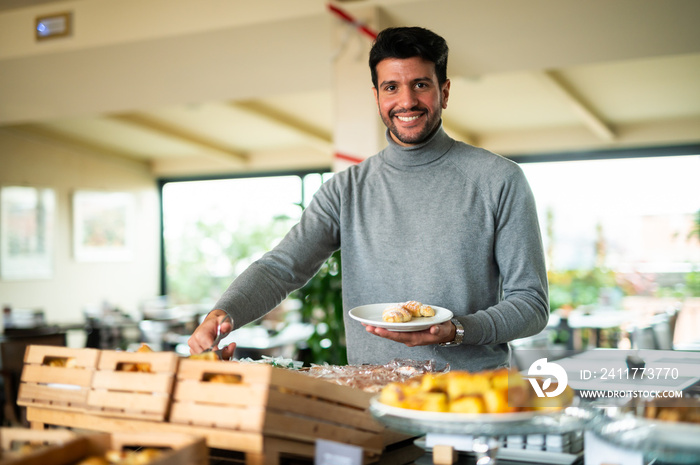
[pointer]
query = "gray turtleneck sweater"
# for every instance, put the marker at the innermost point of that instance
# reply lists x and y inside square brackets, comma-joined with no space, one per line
[443,223]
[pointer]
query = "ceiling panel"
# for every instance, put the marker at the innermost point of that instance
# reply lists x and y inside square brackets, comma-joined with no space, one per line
[119,136]
[229,125]
[312,108]
[508,101]
[641,90]
[257,93]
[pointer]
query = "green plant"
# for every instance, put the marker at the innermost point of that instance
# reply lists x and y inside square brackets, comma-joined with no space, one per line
[692,279]
[573,288]
[696,227]
[322,306]
[692,283]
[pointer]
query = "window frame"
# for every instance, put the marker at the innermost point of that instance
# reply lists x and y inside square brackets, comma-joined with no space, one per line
[605,154]
[161,182]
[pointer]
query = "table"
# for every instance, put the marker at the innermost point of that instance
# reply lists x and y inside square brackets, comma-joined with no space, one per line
[665,442]
[595,320]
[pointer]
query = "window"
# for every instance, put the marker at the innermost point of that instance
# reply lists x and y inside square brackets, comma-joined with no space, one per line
[214,229]
[631,220]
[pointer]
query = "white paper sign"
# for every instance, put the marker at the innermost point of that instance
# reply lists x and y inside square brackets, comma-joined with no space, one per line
[463,442]
[336,453]
[599,452]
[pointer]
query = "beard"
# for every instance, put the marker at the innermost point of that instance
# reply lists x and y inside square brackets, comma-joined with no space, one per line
[414,136]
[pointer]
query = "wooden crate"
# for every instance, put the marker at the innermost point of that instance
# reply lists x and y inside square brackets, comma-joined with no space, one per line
[273,402]
[119,391]
[57,376]
[175,449]
[251,448]
[24,446]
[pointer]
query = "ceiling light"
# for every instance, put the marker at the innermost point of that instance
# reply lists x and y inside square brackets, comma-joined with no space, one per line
[52,26]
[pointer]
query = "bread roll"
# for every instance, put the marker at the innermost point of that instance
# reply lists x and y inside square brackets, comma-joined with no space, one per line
[396,314]
[417,309]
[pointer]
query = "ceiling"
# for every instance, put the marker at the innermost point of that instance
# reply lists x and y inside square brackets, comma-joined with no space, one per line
[225,86]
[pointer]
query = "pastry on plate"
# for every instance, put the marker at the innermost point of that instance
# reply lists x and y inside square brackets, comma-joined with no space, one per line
[405,312]
[418,309]
[396,314]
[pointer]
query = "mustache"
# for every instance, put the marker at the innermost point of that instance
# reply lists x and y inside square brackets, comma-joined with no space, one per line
[400,111]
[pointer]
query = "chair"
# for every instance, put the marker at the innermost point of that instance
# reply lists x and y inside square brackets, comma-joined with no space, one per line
[673,314]
[658,334]
[663,331]
[642,337]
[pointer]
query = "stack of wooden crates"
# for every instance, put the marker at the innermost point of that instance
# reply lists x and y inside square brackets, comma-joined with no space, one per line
[261,411]
[23,446]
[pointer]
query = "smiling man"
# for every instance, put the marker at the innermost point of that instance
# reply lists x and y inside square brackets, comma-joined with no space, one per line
[428,218]
[410,98]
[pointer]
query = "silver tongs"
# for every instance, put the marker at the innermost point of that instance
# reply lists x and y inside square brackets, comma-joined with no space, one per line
[219,336]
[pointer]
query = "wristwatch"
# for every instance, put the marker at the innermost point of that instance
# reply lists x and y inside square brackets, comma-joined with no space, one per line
[459,335]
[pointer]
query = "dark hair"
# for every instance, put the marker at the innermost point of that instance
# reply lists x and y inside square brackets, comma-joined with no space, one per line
[409,42]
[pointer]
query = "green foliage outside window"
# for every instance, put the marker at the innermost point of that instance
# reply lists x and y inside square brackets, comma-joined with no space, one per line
[207,258]
[574,288]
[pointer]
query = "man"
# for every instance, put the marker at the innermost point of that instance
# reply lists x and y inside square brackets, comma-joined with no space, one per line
[428,219]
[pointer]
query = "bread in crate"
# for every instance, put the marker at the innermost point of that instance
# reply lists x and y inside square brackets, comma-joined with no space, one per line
[274,402]
[59,377]
[135,385]
[20,446]
[123,449]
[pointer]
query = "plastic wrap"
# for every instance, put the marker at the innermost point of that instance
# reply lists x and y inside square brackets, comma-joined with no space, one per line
[372,378]
[280,362]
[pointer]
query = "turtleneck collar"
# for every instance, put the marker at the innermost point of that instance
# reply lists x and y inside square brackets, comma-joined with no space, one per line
[426,152]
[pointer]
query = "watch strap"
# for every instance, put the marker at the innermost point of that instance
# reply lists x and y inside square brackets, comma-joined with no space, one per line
[459,335]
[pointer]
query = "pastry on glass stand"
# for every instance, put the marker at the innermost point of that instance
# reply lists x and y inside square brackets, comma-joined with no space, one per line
[484,405]
[487,392]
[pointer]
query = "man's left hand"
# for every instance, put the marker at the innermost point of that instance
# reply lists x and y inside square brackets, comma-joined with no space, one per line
[444,332]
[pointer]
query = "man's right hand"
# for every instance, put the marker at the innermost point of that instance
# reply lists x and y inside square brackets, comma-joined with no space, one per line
[204,335]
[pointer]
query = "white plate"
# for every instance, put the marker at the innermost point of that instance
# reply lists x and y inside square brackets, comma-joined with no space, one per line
[372,315]
[425,416]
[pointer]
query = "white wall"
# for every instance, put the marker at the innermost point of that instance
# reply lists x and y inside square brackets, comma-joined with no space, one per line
[31,162]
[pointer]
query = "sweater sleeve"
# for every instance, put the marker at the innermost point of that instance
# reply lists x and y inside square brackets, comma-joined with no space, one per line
[287,267]
[524,308]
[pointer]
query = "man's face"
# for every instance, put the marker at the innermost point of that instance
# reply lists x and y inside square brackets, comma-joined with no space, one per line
[409,98]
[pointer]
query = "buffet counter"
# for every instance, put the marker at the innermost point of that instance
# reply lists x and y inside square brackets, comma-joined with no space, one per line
[258,413]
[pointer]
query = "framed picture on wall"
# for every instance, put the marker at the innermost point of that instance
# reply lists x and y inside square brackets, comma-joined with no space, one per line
[26,232]
[103,226]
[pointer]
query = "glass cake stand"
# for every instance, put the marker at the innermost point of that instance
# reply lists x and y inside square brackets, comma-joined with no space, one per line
[663,441]
[482,427]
